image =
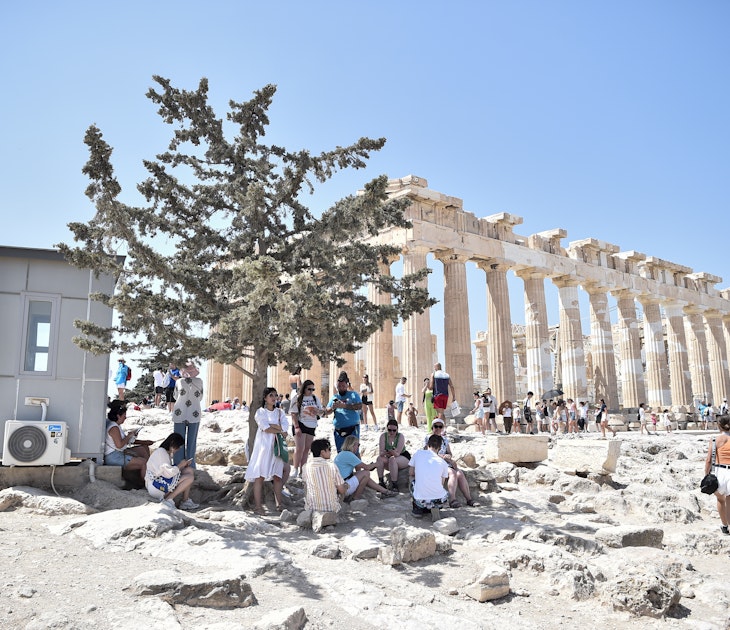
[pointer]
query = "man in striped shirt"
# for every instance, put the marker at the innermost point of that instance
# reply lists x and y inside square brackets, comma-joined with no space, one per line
[323,480]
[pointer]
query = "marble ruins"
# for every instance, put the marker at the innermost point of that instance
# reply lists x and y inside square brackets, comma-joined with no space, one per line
[676,351]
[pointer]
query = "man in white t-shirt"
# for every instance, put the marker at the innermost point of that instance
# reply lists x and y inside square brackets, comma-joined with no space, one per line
[159,377]
[400,397]
[428,472]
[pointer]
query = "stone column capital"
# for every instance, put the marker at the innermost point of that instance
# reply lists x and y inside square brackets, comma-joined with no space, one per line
[531,273]
[416,249]
[493,264]
[563,282]
[624,294]
[452,256]
[694,309]
[712,313]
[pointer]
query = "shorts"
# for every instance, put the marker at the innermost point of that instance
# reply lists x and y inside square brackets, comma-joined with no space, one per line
[159,390]
[117,458]
[352,484]
[366,400]
[122,386]
[723,480]
[399,405]
[304,428]
[492,415]
[170,394]
[440,401]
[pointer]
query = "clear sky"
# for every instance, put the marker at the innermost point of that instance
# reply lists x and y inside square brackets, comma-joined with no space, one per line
[608,119]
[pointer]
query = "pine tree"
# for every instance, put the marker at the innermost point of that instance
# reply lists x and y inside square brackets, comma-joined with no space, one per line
[224,259]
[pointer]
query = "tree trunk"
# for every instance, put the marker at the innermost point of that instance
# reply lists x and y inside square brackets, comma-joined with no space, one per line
[260,367]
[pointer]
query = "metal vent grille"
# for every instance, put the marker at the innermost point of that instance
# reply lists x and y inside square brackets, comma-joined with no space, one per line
[27,443]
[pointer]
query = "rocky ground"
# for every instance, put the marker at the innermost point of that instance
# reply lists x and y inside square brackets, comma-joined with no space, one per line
[638,548]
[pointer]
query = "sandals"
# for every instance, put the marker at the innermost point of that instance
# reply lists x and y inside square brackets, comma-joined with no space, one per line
[388,494]
[454,504]
[471,503]
[259,511]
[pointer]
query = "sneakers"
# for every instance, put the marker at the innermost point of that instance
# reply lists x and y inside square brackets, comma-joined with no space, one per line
[189,504]
[294,474]
[169,503]
[724,529]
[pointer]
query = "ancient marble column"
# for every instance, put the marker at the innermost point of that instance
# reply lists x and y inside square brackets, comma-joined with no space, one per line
[537,342]
[679,376]
[717,354]
[697,351]
[417,351]
[604,362]
[480,355]
[657,376]
[499,327]
[457,346]
[214,386]
[632,370]
[572,349]
[379,363]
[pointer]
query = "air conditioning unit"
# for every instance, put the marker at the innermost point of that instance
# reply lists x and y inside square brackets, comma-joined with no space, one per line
[35,443]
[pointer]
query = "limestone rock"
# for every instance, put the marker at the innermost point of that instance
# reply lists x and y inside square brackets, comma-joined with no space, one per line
[323,519]
[647,594]
[444,543]
[222,590]
[586,456]
[211,456]
[237,456]
[305,519]
[286,619]
[447,526]
[359,505]
[517,448]
[361,544]
[390,556]
[40,502]
[626,536]
[492,583]
[412,543]
[328,549]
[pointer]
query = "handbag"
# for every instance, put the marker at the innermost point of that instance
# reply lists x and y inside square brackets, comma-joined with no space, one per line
[280,449]
[709,483]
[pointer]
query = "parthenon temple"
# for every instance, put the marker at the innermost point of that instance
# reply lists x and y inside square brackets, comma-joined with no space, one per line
[670,351]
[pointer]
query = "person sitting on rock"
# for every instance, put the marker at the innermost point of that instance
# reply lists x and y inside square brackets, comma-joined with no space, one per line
[165,480]
[392,455]
[123,449]
[323,481]
[428,471]
[356,473]
[457,479]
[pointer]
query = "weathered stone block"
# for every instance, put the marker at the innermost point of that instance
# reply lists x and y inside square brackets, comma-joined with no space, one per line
[517,448]
[492,583]
[646,594]
[626,536]
[323,519]
[411,543]
[586,456]
[222,590]
[361,544]
[287,619]
[447,526]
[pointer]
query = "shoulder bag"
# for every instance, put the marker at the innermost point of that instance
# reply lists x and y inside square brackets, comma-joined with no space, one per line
[709,483]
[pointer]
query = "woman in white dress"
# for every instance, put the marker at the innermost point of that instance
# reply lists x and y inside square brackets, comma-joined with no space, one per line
[264,465]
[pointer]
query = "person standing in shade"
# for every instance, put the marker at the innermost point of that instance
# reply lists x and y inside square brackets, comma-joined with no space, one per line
[441,385]
[120,379]
[264,465]
[400,397]
[305,411]
[346,406]
[186,413]
[366,395]
[159,377]
[427,400]
[172,377]
[490,410]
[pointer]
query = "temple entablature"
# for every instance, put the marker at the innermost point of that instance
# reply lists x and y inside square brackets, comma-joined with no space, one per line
[593,252]
[704,282]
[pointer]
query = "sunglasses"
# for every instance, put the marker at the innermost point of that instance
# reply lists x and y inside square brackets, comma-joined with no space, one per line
[392,430]
[438,426]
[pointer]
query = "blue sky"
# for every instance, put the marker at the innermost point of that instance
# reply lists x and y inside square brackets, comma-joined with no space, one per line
[608,119]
